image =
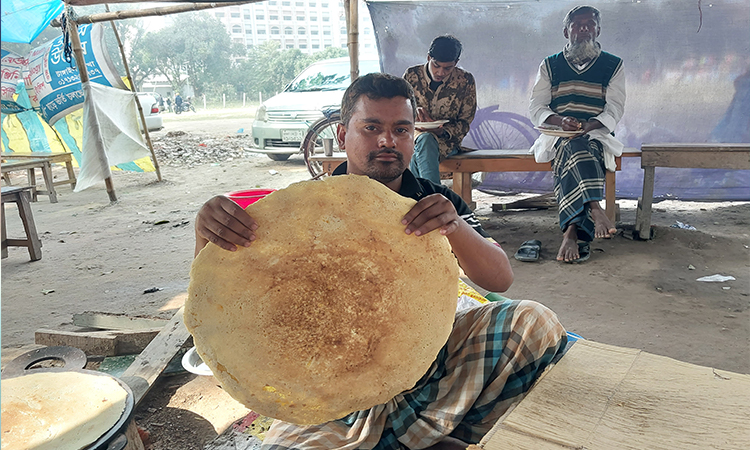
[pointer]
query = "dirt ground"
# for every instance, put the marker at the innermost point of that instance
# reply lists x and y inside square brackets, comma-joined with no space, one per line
[99,256]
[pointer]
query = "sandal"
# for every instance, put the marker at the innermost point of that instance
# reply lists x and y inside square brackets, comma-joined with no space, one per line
[529,251]
[584,252]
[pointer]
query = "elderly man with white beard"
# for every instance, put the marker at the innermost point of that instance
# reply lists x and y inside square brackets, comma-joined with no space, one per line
[581,89]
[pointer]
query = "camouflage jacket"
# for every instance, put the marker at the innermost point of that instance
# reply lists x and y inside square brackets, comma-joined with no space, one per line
[454,100]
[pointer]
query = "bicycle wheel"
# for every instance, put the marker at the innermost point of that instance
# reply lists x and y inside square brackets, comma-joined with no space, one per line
[324,128]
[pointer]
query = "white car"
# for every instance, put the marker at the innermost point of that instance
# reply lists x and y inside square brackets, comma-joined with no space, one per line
[150,108]
[282,121]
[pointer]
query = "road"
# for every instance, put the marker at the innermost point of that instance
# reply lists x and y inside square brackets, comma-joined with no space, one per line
[216,122]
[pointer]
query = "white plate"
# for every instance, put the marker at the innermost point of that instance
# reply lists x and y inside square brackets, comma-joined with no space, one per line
[193,363]
[557,132]
[430,125]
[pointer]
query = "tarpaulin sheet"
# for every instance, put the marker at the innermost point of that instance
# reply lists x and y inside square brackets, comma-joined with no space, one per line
[687,70]
[23,20]
[111,134]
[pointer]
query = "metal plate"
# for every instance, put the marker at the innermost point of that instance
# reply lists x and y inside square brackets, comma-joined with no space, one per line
[292,135]
[73,358]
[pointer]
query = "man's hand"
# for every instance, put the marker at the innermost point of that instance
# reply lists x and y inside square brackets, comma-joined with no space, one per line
[423,115]
[590,125]
[570,124]
[224,223]
[432,212]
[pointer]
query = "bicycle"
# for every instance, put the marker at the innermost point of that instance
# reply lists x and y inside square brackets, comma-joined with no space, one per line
[323,128]
[491,129]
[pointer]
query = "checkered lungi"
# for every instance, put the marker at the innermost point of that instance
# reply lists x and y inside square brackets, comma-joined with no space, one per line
[579,178]
[492,357]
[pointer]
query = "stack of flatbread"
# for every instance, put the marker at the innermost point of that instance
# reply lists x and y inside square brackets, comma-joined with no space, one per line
[59,410]
[332,309]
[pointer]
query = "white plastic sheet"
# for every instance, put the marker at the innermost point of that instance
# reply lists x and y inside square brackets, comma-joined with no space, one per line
[111,134]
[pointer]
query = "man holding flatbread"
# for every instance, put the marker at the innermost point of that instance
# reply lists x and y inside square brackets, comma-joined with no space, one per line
[494,352]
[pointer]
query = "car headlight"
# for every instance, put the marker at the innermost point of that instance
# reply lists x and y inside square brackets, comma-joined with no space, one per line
[261,114]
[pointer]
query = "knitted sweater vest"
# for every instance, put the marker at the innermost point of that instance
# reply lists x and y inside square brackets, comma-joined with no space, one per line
[580,94]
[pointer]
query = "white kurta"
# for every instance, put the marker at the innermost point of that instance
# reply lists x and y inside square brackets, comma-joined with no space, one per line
[539,110]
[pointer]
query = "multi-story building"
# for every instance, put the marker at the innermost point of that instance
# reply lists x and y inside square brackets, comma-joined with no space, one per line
[309,25]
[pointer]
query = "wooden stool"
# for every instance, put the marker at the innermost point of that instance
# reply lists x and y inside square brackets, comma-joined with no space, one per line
[61,158]
[30,165]
[20,196]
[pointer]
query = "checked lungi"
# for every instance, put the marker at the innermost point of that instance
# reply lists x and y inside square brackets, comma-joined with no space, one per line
[491,358]
[579,178]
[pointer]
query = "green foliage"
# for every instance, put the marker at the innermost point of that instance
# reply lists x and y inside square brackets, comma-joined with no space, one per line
[268,69]
[195,47]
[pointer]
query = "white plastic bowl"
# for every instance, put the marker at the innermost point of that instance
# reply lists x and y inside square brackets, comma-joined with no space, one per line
[193,363]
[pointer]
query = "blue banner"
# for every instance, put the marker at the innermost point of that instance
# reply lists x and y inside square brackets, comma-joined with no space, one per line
[54,85]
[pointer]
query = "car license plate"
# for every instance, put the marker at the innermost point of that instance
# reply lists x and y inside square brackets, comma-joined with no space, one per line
[292,135]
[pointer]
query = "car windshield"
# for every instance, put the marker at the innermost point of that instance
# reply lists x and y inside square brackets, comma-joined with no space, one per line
[329,77]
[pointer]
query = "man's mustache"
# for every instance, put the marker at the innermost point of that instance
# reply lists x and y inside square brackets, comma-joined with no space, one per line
[374,155]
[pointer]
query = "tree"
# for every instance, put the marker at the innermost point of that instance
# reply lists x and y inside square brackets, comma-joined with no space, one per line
[132,33]
[196,47]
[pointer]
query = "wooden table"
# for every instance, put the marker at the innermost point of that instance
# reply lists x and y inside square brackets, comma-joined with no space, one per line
[685,156]
[30,165]
[20,196]
[54,158]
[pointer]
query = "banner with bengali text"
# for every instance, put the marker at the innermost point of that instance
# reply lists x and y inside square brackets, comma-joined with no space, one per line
[11,71]
[54,85]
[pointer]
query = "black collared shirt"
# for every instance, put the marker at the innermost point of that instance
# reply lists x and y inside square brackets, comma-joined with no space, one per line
[418,188]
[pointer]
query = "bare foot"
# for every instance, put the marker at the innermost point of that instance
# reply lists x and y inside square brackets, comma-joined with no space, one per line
[569,247]
[603,228]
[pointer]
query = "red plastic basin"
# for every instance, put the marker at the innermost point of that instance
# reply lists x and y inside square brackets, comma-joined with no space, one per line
[248,197]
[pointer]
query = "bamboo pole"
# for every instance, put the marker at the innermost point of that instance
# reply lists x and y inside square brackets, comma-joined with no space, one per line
[160,11]
[136,13]
[75,41]
[352,25]
[137,102]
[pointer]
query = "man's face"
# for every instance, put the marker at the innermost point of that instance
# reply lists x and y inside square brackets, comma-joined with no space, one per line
[440,70]
[583,28]
[379,138]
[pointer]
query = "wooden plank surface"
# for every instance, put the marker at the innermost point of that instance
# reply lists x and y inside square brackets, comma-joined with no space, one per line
[23,164]
[601,397]
[697,147]
[54,158]
[152,361]
[30,165]
[696,159]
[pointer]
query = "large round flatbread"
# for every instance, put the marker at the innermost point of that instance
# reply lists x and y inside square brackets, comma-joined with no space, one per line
[59,410]
[332,309]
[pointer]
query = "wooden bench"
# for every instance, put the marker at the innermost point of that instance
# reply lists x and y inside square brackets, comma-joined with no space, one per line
[685,156]
[54,158]
[465,164]
[30,165]
[20,196]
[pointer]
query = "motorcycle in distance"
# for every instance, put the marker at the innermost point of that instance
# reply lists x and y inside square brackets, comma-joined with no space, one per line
[185,106]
